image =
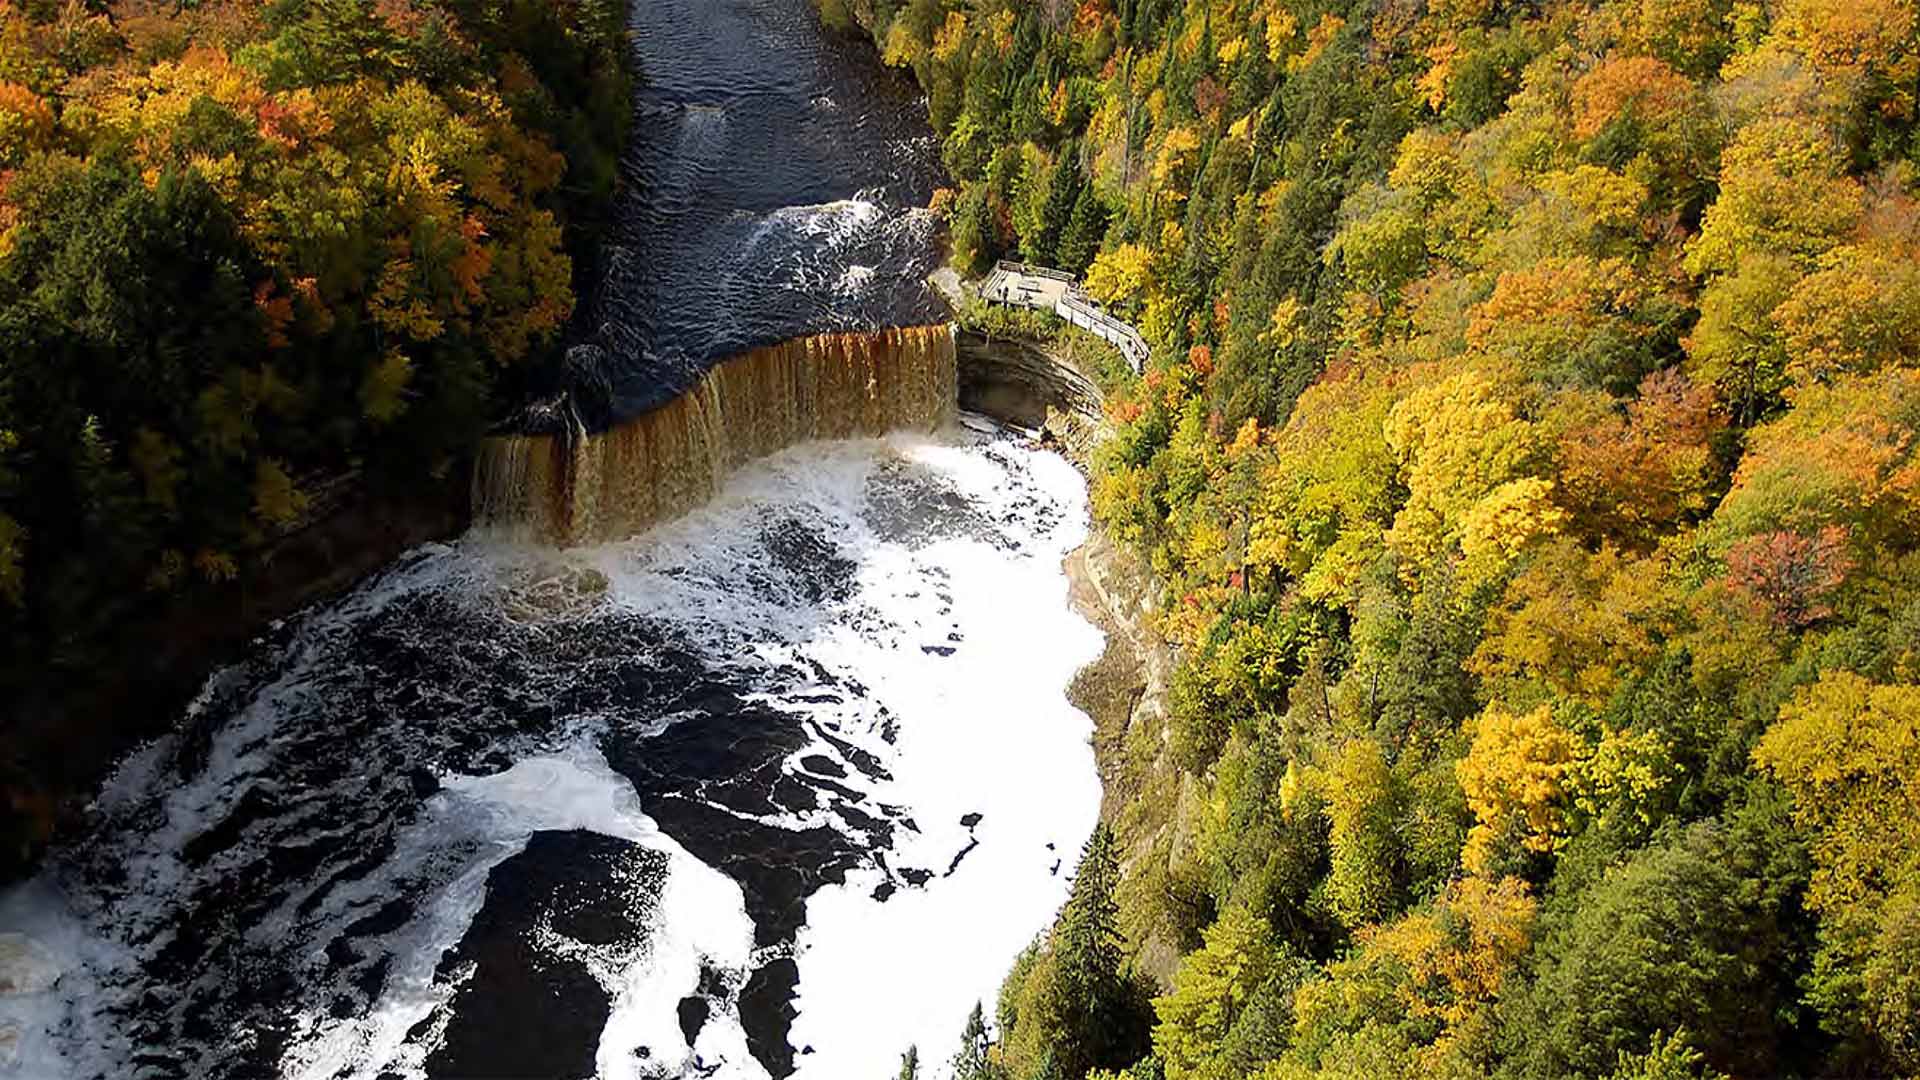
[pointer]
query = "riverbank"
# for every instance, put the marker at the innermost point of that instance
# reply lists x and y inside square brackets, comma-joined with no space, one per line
[1039,382]
[63,743]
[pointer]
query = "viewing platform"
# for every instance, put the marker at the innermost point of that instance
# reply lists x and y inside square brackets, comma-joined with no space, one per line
[1019,285]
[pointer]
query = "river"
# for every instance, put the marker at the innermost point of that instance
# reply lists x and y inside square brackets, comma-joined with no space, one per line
[777,788]
[777,179]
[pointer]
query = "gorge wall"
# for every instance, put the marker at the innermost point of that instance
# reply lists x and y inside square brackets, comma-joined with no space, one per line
[1017,381]
[578,487]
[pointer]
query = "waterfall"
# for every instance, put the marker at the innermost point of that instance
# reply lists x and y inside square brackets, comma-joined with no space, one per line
[587,487]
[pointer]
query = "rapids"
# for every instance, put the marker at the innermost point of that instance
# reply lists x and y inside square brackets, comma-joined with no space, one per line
[777,788]
[776,187]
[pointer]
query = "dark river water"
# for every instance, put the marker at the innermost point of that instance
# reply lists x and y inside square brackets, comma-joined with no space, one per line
[776,185]
[777,789]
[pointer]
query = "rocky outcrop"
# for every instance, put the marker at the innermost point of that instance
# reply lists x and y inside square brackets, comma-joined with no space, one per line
[1145,798]
[1017,381]
[1124,691]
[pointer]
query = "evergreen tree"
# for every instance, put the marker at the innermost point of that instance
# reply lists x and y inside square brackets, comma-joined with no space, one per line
[971,1062]
[910,1064]
[972,233]
[1085,229]
[1100,1013]
[1063,187]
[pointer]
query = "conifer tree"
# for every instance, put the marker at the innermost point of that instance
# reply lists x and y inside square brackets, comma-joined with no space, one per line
[971,1062]
[1085,229]
[1100,1020]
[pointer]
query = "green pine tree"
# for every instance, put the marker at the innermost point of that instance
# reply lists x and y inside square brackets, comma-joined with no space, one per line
[1101,1015]
[1086,227]
[1063,187]
[971,1062]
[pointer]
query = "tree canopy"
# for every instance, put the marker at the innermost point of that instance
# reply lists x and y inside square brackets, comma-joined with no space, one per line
[1526,455]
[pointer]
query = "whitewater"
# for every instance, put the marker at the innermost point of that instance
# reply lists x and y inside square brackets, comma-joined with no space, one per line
[778,788]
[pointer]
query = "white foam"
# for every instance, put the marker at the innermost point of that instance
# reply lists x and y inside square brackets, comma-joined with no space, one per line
[983,730]
[987,730]
[854,280]
[699,915]
[42,958]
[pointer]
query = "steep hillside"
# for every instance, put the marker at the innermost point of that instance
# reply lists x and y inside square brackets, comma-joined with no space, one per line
[256,258]
[1528,453]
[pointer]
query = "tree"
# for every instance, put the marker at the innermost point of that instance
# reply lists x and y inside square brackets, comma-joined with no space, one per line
[1841,456]
[1363,884]
[1848,751]
[1575,621]
[1631,478]
[1784,190]
[1080,240]
[910,1064]
[1790,576]
[1456,440]
[1566,321]
[1736,347]
[972,230]
[1096,1004]
[972,1061]
[1414,997]
[1686,933]
[1121,274]
[1211,990]
[1515,776]
[1859,311]
[1670,1057]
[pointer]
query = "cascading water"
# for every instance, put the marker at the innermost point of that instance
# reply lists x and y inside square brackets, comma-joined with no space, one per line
[576,486]
[776,787]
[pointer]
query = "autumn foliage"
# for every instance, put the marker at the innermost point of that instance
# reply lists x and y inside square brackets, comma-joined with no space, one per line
[1528,455]
[251,251]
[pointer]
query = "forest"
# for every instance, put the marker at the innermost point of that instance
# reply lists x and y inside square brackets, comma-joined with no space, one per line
[251,251]
[1527,459]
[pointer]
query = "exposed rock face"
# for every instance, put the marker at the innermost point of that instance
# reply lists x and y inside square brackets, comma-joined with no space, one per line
[1017,381]
[1124,691]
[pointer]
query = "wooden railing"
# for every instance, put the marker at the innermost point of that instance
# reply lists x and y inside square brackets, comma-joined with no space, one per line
[1007,285]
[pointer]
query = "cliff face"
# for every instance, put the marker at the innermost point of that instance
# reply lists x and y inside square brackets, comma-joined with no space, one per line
[1125,692]
[1018,381]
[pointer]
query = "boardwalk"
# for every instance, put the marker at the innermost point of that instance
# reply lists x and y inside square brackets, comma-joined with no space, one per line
[1053,290]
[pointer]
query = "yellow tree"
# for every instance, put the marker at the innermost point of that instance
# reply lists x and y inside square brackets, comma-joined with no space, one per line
[1515,778]
[1415,999]
[1736,347]
[1849,752]
[1784,190]
[1860,310]
[1456,441]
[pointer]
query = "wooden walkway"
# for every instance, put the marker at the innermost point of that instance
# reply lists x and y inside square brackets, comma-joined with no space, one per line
[1038,287]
